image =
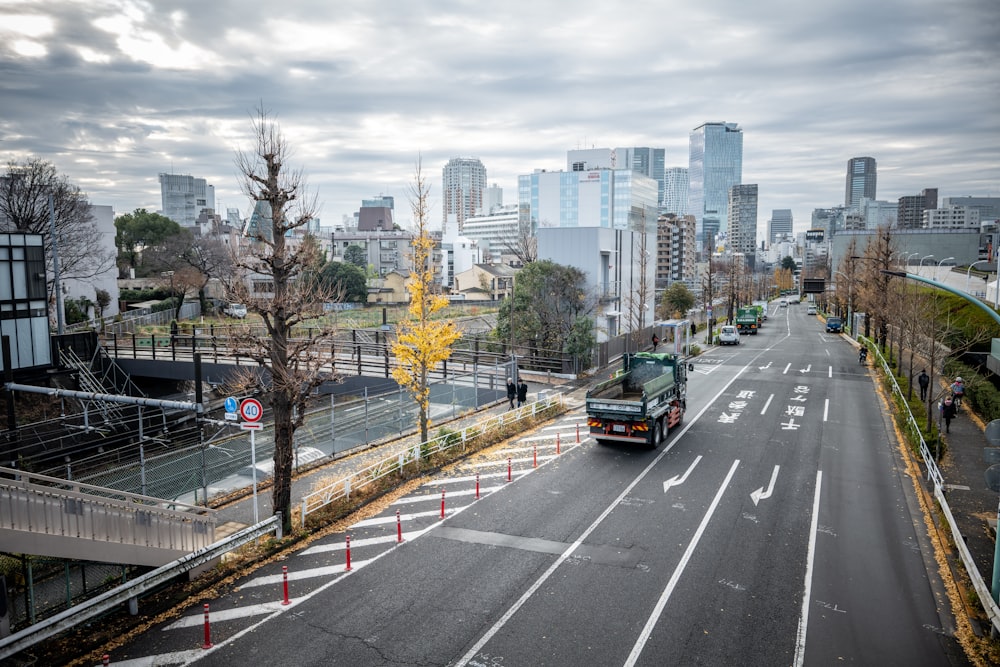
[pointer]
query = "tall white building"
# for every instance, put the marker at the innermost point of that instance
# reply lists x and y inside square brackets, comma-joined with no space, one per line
[675,191]
[183,197]
[878,213]
[463,191]
[495,232]
[952,217]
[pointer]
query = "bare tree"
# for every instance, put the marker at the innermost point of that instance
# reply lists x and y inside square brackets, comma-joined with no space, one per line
[285,294]
[641,296]
[25,190]
[524,248]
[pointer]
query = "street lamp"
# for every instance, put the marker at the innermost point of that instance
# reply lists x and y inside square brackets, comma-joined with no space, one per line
[920,267]
[968,274]
[910,256]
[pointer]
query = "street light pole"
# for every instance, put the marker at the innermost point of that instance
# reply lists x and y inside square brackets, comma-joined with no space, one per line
[968,274]
[920,268]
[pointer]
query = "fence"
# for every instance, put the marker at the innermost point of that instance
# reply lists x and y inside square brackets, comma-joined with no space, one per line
[393,464]
[934,474]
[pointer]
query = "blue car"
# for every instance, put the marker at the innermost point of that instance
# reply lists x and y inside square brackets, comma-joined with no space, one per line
[834,325]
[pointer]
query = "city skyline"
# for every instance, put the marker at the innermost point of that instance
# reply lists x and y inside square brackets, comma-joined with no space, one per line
[116,93]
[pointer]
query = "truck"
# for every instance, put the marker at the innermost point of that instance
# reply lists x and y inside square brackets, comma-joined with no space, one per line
[746,320]
[763,307]
[641,403]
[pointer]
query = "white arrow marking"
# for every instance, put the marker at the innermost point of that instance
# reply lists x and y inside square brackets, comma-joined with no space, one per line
[761,494]
[806,369]
[676,481]
[764,368]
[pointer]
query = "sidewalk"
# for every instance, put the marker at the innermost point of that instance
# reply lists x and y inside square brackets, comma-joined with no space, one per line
[239,513]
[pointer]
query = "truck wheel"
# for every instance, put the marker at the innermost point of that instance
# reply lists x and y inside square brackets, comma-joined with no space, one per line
[657,435]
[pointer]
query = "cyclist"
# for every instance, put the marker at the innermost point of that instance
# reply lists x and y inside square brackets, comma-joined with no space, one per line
[958,390]
[863,355]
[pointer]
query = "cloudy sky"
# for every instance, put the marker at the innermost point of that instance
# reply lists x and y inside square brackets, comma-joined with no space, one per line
[116,92]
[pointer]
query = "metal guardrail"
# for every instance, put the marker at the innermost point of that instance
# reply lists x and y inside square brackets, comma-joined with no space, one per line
[387,466]
[129,593]
[982,589]
[36,505]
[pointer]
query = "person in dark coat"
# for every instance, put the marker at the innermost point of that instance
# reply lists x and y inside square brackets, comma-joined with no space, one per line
[656,341]
[948,411]
[522,393]
[924,381]
[511,393]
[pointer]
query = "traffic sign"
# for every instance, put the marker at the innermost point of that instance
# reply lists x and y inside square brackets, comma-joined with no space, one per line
[251,410]
[250,426]
[231,404]
[231,416]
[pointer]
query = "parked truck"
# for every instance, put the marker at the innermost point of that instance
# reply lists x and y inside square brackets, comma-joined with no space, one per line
[746,320]
[641,403]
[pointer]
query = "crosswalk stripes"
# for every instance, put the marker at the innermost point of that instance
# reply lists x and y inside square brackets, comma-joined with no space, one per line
[311,569]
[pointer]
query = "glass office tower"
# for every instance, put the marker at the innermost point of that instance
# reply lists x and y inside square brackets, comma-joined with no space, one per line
[715,165]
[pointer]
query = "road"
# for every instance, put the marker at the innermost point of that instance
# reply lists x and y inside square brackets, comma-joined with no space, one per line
[775,527]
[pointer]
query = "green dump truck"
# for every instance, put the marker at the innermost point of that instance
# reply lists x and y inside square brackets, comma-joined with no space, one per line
[746,320]
[641,403]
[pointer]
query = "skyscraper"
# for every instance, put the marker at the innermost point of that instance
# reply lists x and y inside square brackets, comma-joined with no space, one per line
[675,191]
[910,210]
[861,181]
[780,225]
[463,189]
[648,161]
[715,165]
[183,197]
[743,220]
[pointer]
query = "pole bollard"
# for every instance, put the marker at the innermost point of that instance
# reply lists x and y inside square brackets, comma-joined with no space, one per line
[208,631]
[508,469]
[442,503]
[347,567]
[399,528]
[105,660]
[558,446]
[477,486]
[578,434]
[284,577]
[534,456]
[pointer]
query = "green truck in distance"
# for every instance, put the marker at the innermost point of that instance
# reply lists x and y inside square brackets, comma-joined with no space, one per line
[640,404]
[746,320]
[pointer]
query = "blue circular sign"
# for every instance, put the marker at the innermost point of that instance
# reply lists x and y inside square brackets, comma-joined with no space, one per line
[231,404]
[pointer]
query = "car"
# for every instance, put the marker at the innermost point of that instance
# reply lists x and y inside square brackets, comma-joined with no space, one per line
[729,335]
[811,310]
[237,310]
[834,325]
[783,303]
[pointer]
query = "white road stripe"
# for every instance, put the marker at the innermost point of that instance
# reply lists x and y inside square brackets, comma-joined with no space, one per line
[529,459]
[161,659]
[647,630]
[800,636]
[311,573]
[225,615]
[768,403]
[826,409]
[451,494]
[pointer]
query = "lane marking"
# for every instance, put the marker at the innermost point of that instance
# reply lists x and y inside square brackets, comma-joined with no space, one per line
[677,480]
[175,658]
[225,615]
[761,494]
[830,371]
[767,403]
[786,368]
[647,630]
[800,636]
[826,408]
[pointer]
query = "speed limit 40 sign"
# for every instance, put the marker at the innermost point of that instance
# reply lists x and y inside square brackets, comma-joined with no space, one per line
[251,410]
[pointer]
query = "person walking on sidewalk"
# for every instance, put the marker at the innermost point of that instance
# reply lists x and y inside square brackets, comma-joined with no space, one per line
[511,393]
[924,381]
[522,393]
[958,390]
[948,413]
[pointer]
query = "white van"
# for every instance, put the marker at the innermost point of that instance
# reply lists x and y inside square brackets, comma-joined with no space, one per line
[729,335]
[237,310]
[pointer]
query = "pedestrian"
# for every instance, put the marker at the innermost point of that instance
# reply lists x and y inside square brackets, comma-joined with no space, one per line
[522,393]
[694,329]
[948,412]
[656,341]
[924,381]
[511,393]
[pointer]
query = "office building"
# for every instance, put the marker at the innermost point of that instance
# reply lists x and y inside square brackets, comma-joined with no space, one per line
[988,207]
[951,217]
[496,233]
[610,198]
[878,213]
[780,225]
[183,197]
[743,221]
[861,181]
[463,190]
[715,153]
[647,161]
[675,250]
[675,191]
[910,209]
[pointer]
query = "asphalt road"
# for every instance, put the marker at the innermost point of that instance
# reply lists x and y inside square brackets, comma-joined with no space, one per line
[774,527]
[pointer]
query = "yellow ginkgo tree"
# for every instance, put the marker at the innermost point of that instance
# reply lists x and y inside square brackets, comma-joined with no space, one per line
[421,341]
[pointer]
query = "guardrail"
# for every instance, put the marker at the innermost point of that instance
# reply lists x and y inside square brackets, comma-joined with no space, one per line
[389,465]
[129,593]
[982,589]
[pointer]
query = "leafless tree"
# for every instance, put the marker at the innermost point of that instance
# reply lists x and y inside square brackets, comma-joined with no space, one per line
[524,248]
[24,207]
[275,277]
[640,296]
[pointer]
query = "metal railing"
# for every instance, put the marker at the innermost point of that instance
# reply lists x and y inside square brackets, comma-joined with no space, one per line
[982,589]
[37,508]
[393,464]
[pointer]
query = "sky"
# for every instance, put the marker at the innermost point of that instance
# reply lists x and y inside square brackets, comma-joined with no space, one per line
[114,93]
